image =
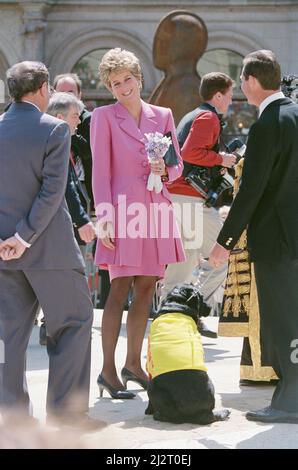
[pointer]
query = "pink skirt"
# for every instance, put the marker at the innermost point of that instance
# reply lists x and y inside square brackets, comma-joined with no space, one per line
[149,264]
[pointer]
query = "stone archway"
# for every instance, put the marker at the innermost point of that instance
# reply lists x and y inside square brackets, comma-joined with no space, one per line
[237,42]
[81,43]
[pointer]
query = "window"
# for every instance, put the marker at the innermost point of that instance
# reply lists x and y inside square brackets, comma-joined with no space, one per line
[87,69]
[94,93]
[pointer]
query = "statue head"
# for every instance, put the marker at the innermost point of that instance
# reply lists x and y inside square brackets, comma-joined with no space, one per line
[180,36]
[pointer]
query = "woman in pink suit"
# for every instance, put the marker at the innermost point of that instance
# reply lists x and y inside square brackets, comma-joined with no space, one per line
[134,244]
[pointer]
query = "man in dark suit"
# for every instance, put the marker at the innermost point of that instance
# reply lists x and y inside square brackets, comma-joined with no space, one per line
[40,262]
[267,205]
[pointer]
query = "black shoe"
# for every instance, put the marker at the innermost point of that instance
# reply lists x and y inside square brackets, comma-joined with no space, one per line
[258,383]
[126,376]
[42,335]
[204,330]
[118,394]
[270,415]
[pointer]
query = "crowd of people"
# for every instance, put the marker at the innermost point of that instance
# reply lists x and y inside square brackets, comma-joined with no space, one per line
[60,162]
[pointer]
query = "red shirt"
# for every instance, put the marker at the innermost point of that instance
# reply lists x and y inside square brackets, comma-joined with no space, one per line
[197,149]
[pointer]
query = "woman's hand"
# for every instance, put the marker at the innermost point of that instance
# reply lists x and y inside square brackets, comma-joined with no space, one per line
[158,167]
[107,235]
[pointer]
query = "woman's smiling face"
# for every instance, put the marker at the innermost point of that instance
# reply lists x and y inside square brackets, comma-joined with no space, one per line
[124,86]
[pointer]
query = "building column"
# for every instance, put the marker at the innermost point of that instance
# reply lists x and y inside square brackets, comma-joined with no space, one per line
[34,25]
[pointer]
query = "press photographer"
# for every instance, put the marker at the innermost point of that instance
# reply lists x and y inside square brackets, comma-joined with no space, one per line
[199,137]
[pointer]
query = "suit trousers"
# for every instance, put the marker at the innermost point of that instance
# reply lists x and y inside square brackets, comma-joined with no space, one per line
[64,298]
[277,285]
[199,226]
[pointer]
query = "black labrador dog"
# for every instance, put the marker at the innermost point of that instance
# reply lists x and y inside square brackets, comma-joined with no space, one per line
[179,389]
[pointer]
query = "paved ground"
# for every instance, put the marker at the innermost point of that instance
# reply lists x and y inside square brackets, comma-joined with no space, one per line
[128,427]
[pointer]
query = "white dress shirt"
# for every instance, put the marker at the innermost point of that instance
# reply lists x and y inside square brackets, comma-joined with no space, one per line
[275,96]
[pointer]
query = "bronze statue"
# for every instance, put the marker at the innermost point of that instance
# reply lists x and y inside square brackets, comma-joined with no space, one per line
[180,40]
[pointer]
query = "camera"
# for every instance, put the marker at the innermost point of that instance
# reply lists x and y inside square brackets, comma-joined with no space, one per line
[212,182]
[237,147]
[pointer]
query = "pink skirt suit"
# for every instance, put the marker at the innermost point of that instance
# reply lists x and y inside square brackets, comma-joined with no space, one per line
[146,235]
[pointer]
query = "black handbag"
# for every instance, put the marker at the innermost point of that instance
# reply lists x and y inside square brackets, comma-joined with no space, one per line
[171,158]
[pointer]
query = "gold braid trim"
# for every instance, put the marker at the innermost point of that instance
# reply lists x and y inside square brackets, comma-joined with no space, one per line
[238,173]
[257,370]
[233,329]
[257,373]
[231,291]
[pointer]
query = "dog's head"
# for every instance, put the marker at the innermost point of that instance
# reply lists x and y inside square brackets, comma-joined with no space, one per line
[184,298]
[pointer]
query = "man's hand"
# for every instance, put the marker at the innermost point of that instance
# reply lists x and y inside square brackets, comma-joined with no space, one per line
[87,232]
[107,235]
[228,159]
[11,249]
[218,256]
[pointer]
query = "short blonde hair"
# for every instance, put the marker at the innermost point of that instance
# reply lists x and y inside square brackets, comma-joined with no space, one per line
[116,60]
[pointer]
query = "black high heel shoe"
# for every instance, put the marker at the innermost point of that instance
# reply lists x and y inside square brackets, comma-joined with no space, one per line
[126,375]
[119,394]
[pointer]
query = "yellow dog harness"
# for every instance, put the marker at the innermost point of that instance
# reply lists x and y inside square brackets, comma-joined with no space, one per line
[174,344]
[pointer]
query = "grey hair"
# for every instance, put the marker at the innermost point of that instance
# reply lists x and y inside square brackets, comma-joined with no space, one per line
[60,103]
[26,77]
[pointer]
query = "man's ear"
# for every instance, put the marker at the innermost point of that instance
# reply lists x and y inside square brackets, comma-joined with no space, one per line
[44,89]
[253,82]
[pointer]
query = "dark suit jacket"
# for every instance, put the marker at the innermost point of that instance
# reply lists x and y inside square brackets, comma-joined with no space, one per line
[34,157]
[80,145]
[77,212]
[267,201]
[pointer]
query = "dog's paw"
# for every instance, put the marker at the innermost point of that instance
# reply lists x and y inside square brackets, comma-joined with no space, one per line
[221,415]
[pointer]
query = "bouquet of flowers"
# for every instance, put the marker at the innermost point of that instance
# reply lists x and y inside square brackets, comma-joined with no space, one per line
[156,147]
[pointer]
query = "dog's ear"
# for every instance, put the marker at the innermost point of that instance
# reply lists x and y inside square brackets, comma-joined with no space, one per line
[194,298]
[188,295]
[184,294]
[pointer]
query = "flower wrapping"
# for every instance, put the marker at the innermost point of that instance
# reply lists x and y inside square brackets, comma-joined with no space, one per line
[156,147]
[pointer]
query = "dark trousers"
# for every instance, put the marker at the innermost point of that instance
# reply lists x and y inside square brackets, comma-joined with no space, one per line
[277,285]
[64,298]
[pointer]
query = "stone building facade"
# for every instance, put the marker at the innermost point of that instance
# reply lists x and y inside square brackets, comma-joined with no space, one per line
[70,35]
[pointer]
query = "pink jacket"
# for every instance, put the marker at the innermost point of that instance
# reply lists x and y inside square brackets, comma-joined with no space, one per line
[120,167]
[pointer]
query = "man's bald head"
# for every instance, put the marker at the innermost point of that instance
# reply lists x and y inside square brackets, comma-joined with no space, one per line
[68,83]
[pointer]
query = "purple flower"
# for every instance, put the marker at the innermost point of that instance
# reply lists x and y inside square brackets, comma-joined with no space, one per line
[157,145]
